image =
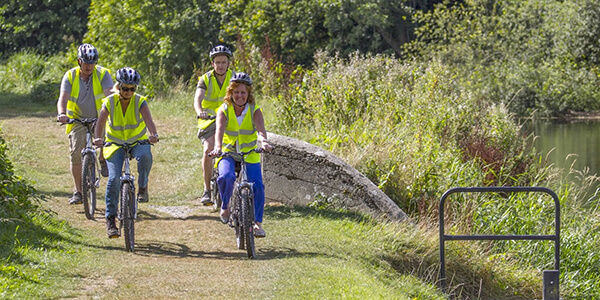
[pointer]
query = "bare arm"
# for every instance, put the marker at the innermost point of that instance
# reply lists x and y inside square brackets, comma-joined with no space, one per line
[198,97]
[220,132]
[100,125]
[259,122]
[147,116]
[61,107]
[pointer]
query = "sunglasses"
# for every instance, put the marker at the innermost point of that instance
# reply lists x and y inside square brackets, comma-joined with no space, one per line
[125,89]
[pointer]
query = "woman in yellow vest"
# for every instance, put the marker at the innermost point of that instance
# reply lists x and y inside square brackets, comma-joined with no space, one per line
[129,120]
[209,96]
[240,124]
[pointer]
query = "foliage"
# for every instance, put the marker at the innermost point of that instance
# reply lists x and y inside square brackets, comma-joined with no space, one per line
[44,26]
[17,197]
[163,40]
[36,75]
[530,55]
[295,30]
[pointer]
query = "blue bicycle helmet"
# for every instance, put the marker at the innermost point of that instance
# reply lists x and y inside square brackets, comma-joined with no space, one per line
[128,75]
[241,77]
[87,54]
[220,50]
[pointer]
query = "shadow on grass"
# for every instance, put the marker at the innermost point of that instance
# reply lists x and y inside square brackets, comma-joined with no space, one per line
[161,248]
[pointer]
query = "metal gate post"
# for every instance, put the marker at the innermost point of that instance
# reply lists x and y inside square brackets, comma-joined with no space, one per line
[551,277]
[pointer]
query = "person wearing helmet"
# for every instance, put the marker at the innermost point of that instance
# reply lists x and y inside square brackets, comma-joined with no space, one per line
[209,96]
[129,120]
[81,92]
[240,126]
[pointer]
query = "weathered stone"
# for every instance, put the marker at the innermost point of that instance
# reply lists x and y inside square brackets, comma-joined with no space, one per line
[299,173]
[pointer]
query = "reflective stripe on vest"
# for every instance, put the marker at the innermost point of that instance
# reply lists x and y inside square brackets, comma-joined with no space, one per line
[213,97]
[73,111]
[124,128]
[244,136]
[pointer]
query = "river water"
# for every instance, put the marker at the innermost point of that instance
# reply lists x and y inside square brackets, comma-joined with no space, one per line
[566,143]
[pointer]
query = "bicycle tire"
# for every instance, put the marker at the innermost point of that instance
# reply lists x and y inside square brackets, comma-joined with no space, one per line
[214,190]
[128,207]
[235,220]
[88,186]
[247,218]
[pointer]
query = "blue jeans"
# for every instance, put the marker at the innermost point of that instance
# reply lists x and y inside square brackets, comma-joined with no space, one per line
[143,155]
[226,180]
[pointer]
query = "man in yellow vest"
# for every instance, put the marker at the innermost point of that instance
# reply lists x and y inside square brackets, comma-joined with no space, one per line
[81,93]
[209,96]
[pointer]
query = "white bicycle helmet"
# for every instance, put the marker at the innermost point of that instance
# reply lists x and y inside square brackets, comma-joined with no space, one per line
[241,77]
[87,54]
[220,50]
[128,75]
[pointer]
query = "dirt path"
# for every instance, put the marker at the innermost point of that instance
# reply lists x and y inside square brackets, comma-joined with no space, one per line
[183,251]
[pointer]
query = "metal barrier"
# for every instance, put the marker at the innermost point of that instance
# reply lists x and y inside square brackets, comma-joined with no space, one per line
[550,276]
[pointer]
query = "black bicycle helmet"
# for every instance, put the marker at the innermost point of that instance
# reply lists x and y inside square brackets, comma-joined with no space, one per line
[128,75]
[241,77]
[87,54]
[220,50]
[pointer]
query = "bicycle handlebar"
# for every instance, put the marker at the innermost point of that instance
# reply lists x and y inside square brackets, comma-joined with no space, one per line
[129,145]
[84,121]
[210,117]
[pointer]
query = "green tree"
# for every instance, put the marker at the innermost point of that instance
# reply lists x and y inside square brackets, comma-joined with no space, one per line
[165,39]
[46,26]
[535,56]
[295,30]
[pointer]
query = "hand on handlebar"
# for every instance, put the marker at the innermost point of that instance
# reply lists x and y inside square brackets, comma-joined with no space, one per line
[205,116]
[99,142]
[266,146]
[215,153]
[62,118]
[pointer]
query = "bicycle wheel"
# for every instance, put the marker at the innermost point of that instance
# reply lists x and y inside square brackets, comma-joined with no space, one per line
[214,188]
[128,207]
[88,186]
[247,218]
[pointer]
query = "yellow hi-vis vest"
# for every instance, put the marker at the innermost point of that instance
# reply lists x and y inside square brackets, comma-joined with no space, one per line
[124,128]
[245,134]
[213,98]
[73,111]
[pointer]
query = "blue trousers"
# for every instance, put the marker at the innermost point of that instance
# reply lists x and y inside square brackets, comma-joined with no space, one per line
[226,180]
[143,155]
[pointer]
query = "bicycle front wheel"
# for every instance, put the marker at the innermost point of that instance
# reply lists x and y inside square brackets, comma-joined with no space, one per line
[88,186]
[214,190]
[128,207]
[247,218]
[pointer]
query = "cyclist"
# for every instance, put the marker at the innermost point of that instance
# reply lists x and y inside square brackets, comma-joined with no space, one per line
[129,120]
[240,125]
[81,92]
[209,96]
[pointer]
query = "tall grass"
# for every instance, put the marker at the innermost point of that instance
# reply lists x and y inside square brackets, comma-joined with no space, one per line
[415,130]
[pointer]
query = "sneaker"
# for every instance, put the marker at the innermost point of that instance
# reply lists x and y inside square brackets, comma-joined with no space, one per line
[143,195]
[76,198]
[205,200]
[259,232]
[224,216]
[103,168]
[111,228]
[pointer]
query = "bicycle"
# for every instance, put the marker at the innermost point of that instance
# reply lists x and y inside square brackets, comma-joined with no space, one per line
[90,180]
[242,204]
[128,203]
